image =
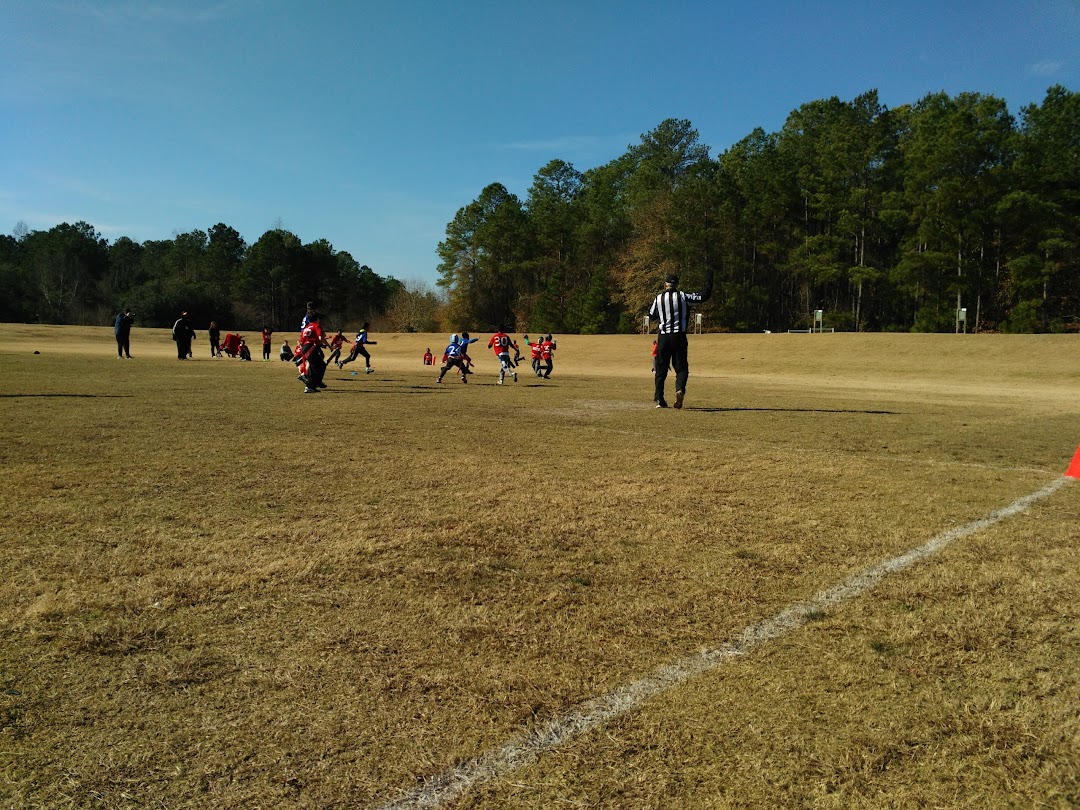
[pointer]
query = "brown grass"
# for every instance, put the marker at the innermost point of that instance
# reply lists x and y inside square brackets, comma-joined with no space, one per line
[219,592]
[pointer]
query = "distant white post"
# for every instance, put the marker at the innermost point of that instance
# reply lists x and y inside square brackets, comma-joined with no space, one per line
[697,322]
[645,325]
[819,318]
[961,320]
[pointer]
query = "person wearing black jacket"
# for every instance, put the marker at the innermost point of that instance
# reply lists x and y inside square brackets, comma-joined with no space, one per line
[183,334]
[213,334]
[672,309]
[122,330]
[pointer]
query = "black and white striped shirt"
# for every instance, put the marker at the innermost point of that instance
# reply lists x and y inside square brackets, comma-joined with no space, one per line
[672,309]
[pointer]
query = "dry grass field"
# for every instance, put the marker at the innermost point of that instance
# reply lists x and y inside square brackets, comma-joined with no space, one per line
[221,593]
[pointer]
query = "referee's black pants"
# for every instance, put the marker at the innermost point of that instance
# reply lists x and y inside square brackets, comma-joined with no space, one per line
[671,353]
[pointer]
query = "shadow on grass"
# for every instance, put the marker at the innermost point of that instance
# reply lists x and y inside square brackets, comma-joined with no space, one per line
[359,379]
[792,410]
[78,396]
[445,384]
[412,389]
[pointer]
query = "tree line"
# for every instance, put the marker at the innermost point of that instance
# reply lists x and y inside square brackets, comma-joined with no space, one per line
[71,274]
[887,219]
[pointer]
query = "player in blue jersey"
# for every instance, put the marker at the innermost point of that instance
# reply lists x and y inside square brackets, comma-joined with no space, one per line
[358,349]
[452,358]
[466,361]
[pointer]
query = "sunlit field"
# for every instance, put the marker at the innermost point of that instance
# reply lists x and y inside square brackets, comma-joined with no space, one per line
[219,592]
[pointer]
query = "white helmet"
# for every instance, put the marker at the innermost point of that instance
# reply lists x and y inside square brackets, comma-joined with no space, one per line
[453,340]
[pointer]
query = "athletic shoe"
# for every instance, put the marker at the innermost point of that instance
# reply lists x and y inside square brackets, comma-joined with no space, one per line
[311,390]
[438,379]
[678,399]
[371,371]
[322,385]
[661,404]
[465,380]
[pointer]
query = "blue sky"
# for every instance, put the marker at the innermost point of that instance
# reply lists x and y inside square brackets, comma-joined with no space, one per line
[369,125]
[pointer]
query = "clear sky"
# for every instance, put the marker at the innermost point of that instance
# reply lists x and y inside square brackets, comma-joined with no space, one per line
[370,124]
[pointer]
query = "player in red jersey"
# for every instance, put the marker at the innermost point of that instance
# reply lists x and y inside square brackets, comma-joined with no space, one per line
[310,349]
[534,350]
[335,346]
[500,342]
[547,352]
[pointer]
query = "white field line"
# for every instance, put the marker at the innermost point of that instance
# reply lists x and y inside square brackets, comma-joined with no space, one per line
[528,745]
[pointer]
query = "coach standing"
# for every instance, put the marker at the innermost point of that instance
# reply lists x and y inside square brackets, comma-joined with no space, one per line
[183,333]
[122,330]
[672,309]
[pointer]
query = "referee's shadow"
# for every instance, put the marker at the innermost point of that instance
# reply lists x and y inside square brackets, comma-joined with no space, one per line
[790,410]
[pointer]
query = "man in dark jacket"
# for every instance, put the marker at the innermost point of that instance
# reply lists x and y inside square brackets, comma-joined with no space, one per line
[213,334]
[122,330]
[183,334]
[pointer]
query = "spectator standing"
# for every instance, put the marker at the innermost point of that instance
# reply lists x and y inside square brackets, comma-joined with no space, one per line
[183,333]
[267,336]
[122,330]
[213,334]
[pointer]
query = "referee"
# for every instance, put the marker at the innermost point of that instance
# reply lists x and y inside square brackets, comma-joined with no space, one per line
[672,309]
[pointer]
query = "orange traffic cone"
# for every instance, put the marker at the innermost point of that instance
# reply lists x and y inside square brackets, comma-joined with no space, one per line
[1074,468]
